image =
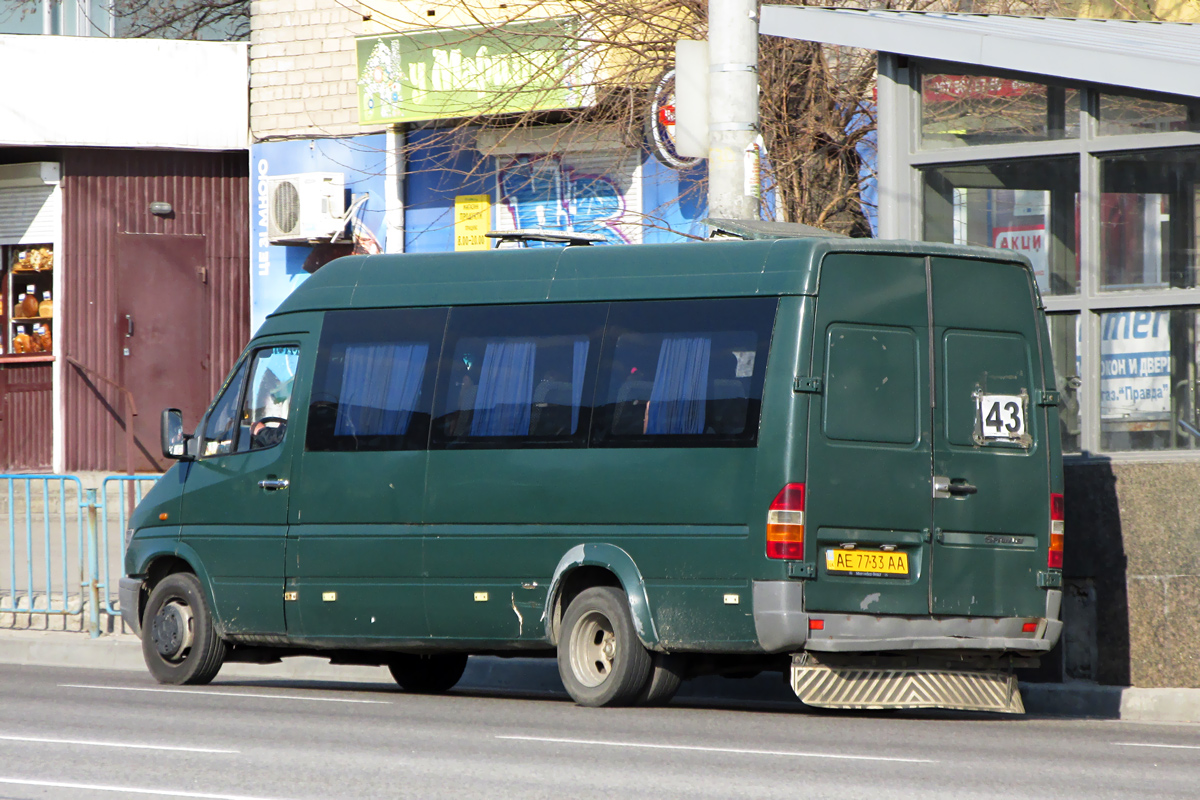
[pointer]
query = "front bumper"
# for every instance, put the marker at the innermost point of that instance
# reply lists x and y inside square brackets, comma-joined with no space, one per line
[782,625]
[129,592]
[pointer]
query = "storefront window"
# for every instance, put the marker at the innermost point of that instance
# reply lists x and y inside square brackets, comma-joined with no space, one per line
[1148,220]
[1064,345]
[26,305]
[1123,114]
[1030,206]
[1148,374]
[963,110]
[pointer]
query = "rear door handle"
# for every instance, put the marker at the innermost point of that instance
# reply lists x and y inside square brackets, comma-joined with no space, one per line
[271,484]
[944,488]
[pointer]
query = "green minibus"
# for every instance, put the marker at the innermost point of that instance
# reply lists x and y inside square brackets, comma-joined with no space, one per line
[835,458]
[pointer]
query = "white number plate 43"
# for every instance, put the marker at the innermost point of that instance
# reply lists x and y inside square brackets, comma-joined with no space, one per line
[1002,416]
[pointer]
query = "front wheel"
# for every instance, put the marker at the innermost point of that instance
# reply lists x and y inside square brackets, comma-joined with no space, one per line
[179,643]
[600,659]
[428,674]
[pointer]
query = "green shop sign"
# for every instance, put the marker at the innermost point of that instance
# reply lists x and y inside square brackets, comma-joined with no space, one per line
[466,71]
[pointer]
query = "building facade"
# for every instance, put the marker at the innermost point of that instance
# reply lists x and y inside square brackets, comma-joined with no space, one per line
[123,222]
[391,104]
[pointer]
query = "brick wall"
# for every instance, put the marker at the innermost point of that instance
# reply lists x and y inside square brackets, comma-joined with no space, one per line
[302,70]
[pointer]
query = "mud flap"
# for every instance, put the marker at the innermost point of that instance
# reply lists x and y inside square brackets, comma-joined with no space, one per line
[842,686]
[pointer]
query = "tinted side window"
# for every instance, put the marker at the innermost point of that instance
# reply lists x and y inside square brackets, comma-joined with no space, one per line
[374,379]
[517,376]
[683,373]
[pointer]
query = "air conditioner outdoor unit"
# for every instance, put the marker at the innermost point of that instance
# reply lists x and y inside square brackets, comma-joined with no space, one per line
[305,208]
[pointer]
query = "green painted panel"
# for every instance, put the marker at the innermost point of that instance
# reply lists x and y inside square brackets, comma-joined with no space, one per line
[703,615]
[690,486]
[356,581]
[515,564]
[988,346]
[867,492]
[872,390]
[353,534]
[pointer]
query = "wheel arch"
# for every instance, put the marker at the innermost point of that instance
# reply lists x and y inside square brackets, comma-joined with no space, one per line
[181,558]
[603,564]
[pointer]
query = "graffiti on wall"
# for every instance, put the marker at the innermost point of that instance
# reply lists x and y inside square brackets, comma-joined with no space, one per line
[547,192]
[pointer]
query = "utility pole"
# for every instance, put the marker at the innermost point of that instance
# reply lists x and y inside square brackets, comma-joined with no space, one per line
[733,157]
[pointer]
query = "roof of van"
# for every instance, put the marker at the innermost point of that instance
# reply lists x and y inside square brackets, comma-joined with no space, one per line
[597,273]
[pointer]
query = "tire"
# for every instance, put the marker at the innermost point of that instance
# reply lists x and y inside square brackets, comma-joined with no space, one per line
[666,674]
[179,643]
[600,659]
[428,674]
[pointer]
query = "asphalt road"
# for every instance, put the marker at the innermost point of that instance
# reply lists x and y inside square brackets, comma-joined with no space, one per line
[86,733]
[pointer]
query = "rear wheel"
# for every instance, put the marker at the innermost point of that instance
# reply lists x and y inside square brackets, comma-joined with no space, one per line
[179,643]
[436,673]
[666,675]
[600,659]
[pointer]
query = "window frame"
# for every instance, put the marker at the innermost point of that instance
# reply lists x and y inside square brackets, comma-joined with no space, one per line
[602,416]
[245,362]
[454,335]
[900,103]
[416,438]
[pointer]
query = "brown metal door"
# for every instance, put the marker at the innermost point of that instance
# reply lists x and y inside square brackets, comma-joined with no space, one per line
[162,333]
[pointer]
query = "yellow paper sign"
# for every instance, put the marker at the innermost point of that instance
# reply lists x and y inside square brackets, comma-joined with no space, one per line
[472,219]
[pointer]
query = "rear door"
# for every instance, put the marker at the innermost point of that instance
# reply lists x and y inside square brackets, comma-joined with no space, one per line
[868,503]
[991,460]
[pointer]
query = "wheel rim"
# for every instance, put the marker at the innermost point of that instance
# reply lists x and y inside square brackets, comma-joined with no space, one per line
[593,649]
[171,630]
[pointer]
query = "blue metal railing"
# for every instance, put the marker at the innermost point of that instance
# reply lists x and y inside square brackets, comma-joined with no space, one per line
[59,532]
[129,492]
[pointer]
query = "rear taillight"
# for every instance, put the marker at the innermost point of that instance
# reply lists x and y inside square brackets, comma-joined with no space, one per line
[785,523]
[1055,559]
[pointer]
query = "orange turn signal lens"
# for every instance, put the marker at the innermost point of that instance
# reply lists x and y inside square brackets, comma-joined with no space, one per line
[785,523]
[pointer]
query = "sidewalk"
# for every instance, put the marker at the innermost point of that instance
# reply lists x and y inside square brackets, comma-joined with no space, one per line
[540,675]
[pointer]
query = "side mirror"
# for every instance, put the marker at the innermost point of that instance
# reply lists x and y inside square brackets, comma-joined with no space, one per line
[174,440]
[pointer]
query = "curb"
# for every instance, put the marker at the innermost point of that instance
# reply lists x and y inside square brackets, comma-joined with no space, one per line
[540,676]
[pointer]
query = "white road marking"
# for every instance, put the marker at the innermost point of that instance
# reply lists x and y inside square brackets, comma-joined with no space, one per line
[735,750]
[94,743]
[95,787]
[222,694]
[1168,746]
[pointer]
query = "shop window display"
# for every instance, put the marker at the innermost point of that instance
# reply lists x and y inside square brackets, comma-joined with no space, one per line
[26,300]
